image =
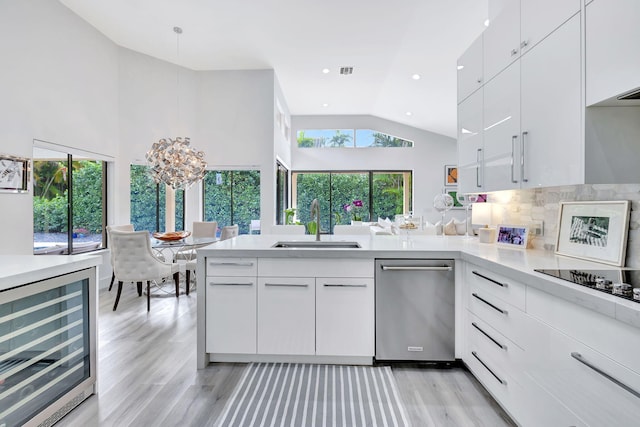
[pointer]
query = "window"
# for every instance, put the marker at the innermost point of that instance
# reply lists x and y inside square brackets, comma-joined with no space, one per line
[282,191]
[383,194]
[232,197]
[349,138]
[148,202]
[69,209]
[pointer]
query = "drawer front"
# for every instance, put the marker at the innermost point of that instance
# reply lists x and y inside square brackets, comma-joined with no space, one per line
[311,267]
[495,346]
[506,289]
[493,377]
[232,266]
[503,317]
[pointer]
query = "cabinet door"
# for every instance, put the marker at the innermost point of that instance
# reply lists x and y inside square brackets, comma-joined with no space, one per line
[344,317]
[470,144]
[231,314]
[539,18]
[612,43]
[551,110]
[286,315]
[502,40]
[502,130]
[470,70]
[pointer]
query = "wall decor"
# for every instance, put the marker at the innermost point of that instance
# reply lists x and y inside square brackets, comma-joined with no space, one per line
[595,231]
[454,195]
[515,236]
[450,175]
[14,174]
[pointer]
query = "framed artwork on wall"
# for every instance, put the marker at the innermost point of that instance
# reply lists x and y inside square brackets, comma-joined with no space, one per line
[450,175]
[14,174]
[595,231]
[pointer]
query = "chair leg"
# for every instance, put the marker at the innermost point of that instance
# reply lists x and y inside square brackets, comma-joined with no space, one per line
[118,296]
[113,279]
[148,295]
[176,278]
[139,284]
[187,284]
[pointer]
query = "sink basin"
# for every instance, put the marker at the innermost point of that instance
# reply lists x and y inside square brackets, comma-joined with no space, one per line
[299,244]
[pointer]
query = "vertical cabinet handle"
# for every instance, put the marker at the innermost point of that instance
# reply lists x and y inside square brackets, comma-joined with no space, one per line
[478,153]
[513,160]
[522,159]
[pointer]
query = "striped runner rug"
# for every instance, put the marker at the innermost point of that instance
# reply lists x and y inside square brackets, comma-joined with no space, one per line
[296,395]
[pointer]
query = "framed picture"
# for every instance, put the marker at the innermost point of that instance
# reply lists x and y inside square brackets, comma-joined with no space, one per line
[450,175]
[595,231]
[14,174]
[515,236]
[456,202]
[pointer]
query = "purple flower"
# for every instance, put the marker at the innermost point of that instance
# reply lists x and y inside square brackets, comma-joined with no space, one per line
[357,203]
[347,208]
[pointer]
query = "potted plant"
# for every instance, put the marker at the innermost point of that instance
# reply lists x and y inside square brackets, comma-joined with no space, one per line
[355,210]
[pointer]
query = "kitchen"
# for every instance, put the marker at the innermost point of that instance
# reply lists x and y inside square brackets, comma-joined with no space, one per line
[536,203]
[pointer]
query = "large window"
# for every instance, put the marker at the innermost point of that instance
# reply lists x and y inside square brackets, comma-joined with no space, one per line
[282,192]
[349,138]
[232,197]
[383,194]
[148,202]
[69,209]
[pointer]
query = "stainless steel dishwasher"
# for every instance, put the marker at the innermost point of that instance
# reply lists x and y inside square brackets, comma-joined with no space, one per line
[415,317]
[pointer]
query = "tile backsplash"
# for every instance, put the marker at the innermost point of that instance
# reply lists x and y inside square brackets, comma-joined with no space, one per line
[542,204]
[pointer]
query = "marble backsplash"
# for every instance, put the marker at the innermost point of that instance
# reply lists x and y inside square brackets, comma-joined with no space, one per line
[542,204]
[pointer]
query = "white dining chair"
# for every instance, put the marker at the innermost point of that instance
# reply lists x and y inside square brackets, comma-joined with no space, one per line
[254,226]
[110,228]
[200,229]
[229,231]
[133,261]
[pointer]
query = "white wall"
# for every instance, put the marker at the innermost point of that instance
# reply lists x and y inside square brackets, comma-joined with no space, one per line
[58,80]
[426,159]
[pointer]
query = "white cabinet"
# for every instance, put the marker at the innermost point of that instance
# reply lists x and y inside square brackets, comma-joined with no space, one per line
[470,70]
[345,316]
[470,144]
[286,315]
[539,18]
[612,44]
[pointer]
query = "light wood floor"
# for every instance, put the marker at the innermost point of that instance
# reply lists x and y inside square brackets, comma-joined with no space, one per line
[147,375]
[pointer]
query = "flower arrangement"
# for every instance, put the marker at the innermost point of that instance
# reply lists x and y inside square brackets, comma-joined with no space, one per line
[354,209]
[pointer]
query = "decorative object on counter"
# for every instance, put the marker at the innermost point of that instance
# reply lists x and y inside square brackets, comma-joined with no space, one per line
[450,228]
[170,236]
[486,234]
[467,200]
[14,174]
[482,214]
[443,203]
[289,216]
[450,175]
[595,231]
[355,210]
[515,236]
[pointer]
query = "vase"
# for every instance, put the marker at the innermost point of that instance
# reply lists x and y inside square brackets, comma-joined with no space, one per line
[353,222]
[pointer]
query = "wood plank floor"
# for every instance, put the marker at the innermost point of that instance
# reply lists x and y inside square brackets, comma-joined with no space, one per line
[147,375]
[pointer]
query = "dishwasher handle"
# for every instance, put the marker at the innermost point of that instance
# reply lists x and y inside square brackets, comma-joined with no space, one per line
[416,268]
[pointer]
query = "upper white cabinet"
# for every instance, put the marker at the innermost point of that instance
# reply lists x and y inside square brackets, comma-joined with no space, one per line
[520,26]
[470,70]
[612,45]
[470,143]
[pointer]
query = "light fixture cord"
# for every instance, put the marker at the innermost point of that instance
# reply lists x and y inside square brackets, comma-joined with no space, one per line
[178,31]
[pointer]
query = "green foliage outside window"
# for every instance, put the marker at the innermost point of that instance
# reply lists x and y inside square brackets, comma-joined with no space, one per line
[232,197]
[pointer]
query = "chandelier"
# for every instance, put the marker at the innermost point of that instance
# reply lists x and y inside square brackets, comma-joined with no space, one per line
[176,163]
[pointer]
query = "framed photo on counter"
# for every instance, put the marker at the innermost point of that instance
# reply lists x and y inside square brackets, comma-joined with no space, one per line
[515,236]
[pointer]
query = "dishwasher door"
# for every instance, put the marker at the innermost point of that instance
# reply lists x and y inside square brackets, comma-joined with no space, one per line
[415,317]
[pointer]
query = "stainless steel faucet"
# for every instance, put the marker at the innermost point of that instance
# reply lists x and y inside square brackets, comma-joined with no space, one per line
[315,210]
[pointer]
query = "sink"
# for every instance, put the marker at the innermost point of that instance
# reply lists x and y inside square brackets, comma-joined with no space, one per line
[314,244]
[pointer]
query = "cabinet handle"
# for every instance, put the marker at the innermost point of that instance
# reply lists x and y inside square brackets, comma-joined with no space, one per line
[291,285]
[416,268]
[502,346]
[504,285]
[581,359]
[478,184]
[501,381]
[522,160]
[505,312]
[524,43]
[479,80]
[341,285]
[513,151]
[237,264]
[229,284]
[514,52]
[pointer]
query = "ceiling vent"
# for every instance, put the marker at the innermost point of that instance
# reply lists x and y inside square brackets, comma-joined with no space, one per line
[635,94]
[346,71]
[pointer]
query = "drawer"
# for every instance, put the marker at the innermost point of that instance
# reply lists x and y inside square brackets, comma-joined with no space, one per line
[232,266]
[315,267]
[495,346]
[506,289]
[503,317]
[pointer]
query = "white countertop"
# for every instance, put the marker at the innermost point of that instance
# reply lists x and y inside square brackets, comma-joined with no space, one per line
[516,263]
[17,270]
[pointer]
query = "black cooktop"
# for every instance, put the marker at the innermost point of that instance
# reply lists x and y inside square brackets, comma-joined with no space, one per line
[620,283]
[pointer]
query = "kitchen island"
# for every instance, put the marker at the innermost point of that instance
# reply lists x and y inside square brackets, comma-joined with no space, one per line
[527,337]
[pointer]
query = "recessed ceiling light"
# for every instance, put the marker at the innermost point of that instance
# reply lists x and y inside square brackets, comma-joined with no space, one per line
[326,70]
[416,77]
[487,22]
[325,105]
[460,67]
[408,113]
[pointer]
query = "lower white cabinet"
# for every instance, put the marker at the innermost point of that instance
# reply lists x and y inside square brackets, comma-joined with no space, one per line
[231,314]
[345,316]
[286,315]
